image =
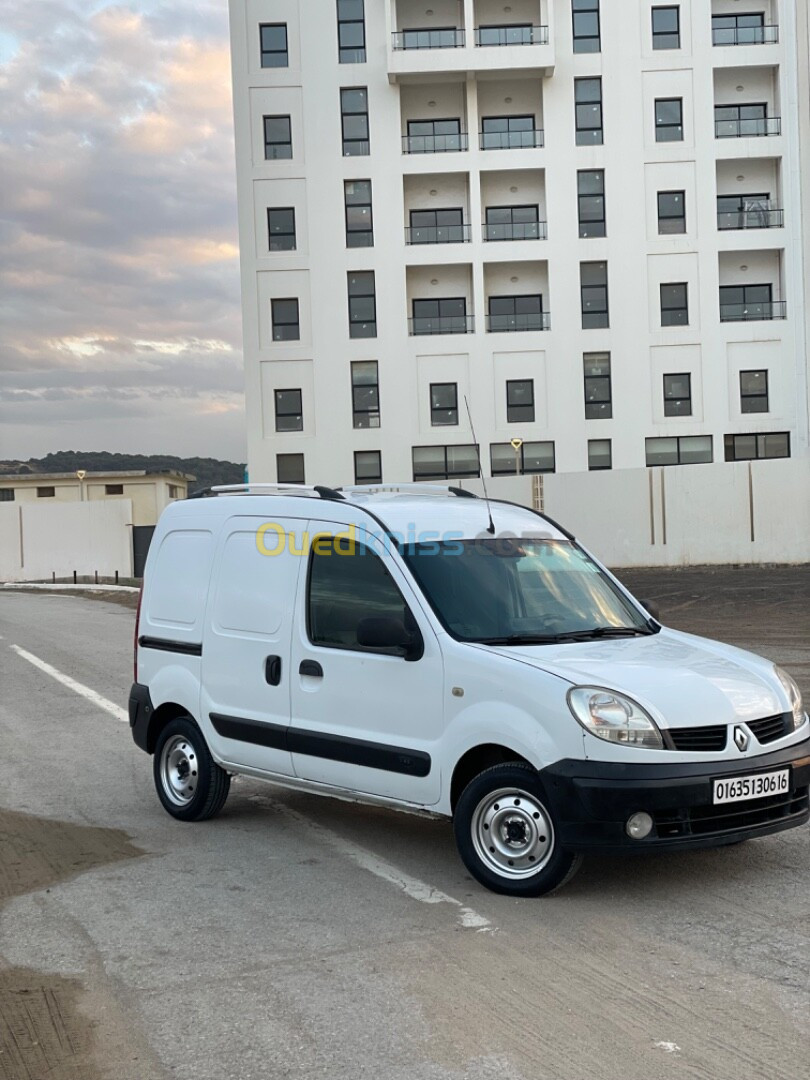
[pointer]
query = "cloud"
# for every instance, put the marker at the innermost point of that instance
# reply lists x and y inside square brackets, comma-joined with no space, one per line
[119,283]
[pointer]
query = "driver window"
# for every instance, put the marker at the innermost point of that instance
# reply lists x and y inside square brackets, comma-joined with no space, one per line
[343,589]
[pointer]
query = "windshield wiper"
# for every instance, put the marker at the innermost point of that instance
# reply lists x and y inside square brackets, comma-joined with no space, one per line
[519,639]
[605,632]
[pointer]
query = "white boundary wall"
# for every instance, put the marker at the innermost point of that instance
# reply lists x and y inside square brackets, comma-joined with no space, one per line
[39,540]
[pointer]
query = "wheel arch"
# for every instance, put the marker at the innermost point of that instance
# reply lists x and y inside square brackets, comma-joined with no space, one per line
[161,716]
[474,761]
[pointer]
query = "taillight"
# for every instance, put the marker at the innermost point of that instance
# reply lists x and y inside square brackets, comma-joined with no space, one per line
[135,642]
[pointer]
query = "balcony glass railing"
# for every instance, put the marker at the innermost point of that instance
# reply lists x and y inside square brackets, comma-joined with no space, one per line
[447,38]
[441,324]
[745,129]
[507,324]
[511,35]
[745,35]
[772,309]
[434,144]
[511,140]
[526,230]
[765,218]
[437,234]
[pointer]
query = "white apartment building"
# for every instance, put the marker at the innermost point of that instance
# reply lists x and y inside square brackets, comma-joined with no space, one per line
[581,216]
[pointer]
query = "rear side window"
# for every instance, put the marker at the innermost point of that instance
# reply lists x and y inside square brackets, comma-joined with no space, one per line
[345,586]
[178,579]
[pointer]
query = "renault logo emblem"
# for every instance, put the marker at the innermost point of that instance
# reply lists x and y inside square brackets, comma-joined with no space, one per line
[741,739]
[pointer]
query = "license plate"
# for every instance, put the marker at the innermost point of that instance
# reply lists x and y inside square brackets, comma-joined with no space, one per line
[740,788]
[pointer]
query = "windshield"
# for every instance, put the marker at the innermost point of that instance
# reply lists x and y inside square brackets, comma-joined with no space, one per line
[508,590]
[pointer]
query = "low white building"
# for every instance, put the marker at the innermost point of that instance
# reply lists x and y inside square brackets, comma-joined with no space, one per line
[583,217]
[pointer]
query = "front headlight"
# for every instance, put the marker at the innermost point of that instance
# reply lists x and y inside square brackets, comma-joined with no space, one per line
[794,697]
[614,717]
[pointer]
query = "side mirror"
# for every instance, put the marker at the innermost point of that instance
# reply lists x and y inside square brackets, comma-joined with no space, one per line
[652,608]
[388,633]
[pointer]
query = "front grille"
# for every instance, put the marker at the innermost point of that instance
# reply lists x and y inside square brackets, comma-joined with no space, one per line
[773,727]
[729,817]
[700,738]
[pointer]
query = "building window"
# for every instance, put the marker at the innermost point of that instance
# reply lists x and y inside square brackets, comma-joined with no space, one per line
[754,391]
[367,467]
[354,121]
[671,212]
[443,404]
[351,32]
[514,223]
[365,394]
[290,468]
[680,450]
[669,120]
[678,395]
[434,137]
[675,304]
[118,489]
[359,219]
[591,202]
[666,28]
[512,314]
[775,444]
[588,111]
[289,414]
[511,34]
[437,227]
[273,38]
[285,320]
[443,316]
[600,455]
[509,132]
[362,304]
[531,457]
[520,401]
[277,138]
[744,121]
[594,295]
[749,303]
[46,493]
[748,212]
[6,494]
[281,228]
[586,26]
[174,491]
[445,462]
[742,30]
[598,390]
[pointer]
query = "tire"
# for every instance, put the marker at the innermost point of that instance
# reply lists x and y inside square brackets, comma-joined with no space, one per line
[190,784]
[507,804]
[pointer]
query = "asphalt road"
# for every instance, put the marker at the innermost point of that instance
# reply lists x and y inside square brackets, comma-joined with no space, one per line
[299,937]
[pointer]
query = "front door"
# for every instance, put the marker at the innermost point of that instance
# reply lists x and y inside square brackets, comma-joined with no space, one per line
[363,718]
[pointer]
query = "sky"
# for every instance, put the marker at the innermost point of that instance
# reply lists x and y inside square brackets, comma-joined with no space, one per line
[120,322]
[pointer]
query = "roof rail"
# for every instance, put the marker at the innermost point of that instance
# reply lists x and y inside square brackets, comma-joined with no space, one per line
[316,491]
[408,489]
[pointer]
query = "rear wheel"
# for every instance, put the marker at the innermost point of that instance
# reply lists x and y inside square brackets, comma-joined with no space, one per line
[506,835]
[190,784]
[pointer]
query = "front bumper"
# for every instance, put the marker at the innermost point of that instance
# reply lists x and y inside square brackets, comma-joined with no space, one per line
[592,801]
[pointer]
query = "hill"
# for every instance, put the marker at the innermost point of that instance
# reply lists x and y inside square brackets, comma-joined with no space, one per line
[209,471]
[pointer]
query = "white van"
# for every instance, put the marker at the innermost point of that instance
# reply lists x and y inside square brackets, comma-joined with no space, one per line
[422,648]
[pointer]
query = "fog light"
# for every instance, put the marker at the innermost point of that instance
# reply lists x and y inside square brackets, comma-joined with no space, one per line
[639,826]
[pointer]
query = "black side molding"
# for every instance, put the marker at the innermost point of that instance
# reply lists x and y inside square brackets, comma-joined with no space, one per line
[188,648]
[372,755]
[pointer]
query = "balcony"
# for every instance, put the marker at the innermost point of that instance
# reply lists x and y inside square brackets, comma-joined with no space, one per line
[518,322]
[437,234]
[514,34]
[751,217]
[510,138]
[747,127]
[423,38]
[755,311]
[434,137]
[441,324]
[516,230]
[730,30]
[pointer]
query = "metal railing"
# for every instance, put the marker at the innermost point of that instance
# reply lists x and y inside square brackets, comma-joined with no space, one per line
[418,38]
[511,35]
[766,218]
[437,234]
[773,309]
[745,35]
[745,129]
[508,324]
[434,144]
[526,230]
[511,140]
[441,324]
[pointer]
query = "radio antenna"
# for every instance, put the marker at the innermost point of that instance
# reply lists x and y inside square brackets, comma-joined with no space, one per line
[491,526]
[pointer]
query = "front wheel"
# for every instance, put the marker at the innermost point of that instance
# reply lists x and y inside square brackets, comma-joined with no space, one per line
[506,836]
[190,784]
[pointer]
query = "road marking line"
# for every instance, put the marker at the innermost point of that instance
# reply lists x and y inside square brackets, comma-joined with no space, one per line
[79,688]
[411,886]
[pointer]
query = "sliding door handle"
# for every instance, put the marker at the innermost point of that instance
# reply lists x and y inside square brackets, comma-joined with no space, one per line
[311,667]
[272,670]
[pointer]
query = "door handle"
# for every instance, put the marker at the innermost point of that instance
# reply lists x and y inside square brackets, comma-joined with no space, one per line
[272,670]
[311,667]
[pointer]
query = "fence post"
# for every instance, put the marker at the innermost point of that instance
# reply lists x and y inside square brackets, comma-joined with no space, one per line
[74,577]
